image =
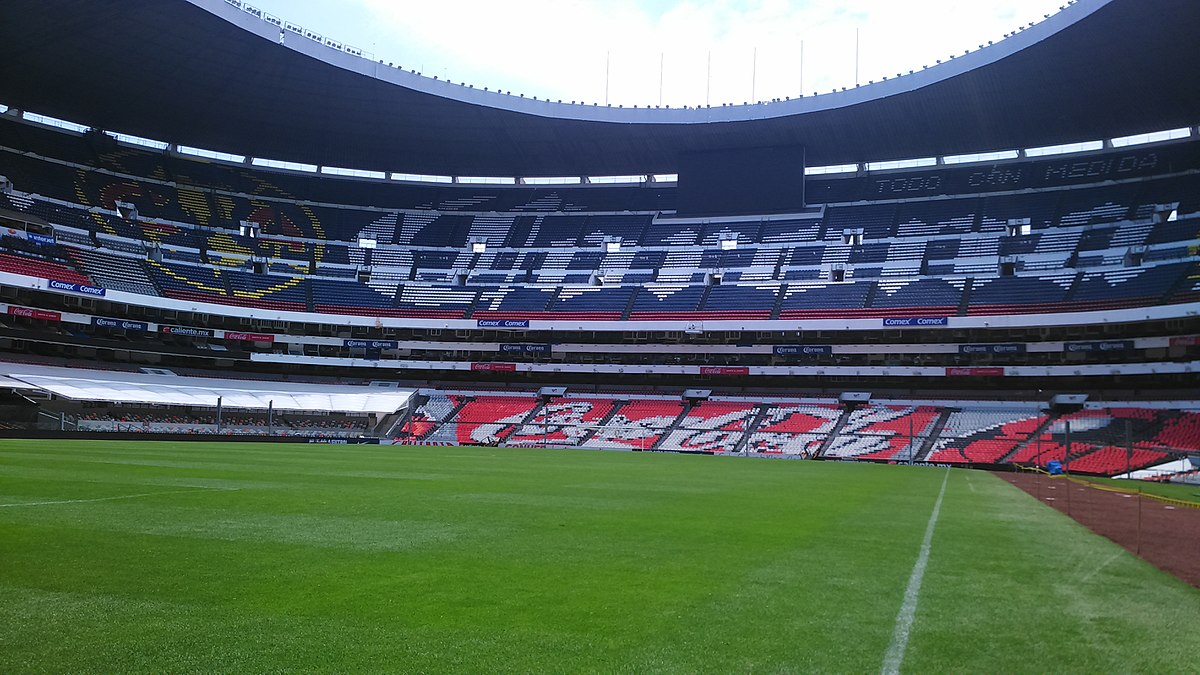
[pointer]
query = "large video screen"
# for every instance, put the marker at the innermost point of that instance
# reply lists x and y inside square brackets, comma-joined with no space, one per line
[742,181]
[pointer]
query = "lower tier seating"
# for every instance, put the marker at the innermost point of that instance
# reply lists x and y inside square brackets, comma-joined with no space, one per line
[711,426]
[883,432]
[886,432]
[565,422]
[639,424]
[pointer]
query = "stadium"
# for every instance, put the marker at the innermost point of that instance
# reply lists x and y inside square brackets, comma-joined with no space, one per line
[314,362]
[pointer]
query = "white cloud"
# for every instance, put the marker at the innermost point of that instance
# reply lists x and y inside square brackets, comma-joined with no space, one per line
[709,50]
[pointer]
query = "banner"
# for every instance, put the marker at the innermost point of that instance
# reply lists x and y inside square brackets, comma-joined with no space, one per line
[494,367]
[975,372]
[1099,346]
[1012,348]
[502,323]
[370,344]
[185,330]
[250,337]
[30,313]
[40,238]
[798,350]
[724,370]
[122,324]
[918,321]
[525,348]
[75,288]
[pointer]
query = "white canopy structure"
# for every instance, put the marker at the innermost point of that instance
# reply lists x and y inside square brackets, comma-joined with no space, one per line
[1159,470]
[124,387]
[10,383]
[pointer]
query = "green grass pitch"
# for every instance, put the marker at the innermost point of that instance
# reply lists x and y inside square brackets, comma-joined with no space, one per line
[240,557]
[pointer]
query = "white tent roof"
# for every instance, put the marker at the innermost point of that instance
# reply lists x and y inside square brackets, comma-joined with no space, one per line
[1159,470]
[122,387]
[9,383]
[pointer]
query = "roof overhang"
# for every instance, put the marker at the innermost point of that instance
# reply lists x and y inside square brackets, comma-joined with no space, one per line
[207,74]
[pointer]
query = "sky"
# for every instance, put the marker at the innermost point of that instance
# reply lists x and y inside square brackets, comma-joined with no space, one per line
[661,52]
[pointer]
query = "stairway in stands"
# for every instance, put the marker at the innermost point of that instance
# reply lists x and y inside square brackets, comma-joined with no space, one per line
[779,300]
[755,422]
[872,290]
[935,432]
[617,405]
[833,433]
[674,425]
[527,420]
[1070,294]
[965,302]
[1033,436]
[629,305]
[462,403]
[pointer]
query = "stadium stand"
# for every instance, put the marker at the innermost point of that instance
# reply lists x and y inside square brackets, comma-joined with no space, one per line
[485,420]
[1101,231]
[794,429]
[984,436]
[954,433]
[638,425]
[565,422]
[934,257]
[711,426]
[883,432]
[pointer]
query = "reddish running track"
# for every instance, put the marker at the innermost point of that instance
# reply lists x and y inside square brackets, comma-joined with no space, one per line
[1165,535]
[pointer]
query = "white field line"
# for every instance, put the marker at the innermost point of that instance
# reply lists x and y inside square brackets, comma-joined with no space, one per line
[895,653]
[1101,566]
[109,499]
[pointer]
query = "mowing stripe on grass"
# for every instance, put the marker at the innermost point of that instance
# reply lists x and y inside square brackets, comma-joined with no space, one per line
[895,652]
[109,499]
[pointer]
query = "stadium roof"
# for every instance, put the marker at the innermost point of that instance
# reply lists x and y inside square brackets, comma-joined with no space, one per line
[205,73]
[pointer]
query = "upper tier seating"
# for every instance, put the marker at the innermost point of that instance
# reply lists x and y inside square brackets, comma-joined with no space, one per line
[45,268]
[114,271]
[545,258]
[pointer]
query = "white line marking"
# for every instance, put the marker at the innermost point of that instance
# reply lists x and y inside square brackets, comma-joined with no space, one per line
[904,620]
[1101,566]
[109,499]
